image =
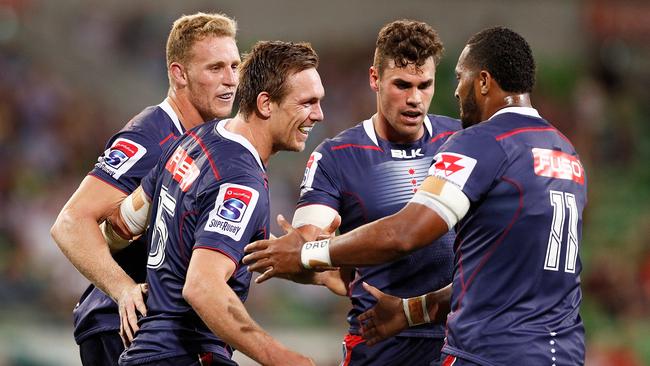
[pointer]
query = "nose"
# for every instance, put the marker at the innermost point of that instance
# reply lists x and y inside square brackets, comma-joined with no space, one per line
[317,112]
[231,76]
[456,91]
[414,97]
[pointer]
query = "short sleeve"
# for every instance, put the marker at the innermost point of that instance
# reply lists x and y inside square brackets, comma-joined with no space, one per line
[470,161]
[231,214]
[128,157]
[320,182]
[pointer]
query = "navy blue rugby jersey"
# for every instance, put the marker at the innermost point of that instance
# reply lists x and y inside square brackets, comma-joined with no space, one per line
[208,191]
[516,289]
[130,155]
[365,178]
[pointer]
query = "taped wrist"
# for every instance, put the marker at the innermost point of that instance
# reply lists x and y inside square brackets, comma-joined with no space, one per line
[316,254]
[114,241]
[415,309]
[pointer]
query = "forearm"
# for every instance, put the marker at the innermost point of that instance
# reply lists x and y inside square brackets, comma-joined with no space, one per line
[225,315]
[81,241]
[439,304]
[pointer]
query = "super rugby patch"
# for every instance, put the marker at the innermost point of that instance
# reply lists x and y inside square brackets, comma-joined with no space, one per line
[455,168]
[232,210]
[120,157]
[310,172]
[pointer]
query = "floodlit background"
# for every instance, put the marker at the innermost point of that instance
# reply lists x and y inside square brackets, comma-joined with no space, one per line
[73,72]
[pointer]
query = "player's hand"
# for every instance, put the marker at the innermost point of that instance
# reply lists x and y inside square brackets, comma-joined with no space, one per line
[131,302]
[385,319]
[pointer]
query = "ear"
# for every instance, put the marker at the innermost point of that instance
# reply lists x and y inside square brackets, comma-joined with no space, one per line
[484,79]
[373,77]
[264,104]
[178,74]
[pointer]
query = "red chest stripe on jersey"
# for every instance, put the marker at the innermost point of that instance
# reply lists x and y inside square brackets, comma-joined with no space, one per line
[127,148]
[557,164]
[183,169]
[441,135]
[367,147]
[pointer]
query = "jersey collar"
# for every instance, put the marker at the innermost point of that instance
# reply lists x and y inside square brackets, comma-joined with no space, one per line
[370,128]
[527,111]
[165,106]
[221,129]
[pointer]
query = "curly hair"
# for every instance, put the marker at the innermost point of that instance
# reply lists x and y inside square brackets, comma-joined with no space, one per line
[506,56]
[267,68]
[189,29]
[407,42]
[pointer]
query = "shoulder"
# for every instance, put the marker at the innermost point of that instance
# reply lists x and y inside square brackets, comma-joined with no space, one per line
[443,124]
[358,138]
[152,123]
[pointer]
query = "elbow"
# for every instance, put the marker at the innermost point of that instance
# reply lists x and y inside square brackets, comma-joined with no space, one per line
[61,226]
[192,293]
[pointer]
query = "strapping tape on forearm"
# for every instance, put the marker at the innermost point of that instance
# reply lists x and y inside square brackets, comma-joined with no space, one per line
[415,309]
[316,254]
[447,200]
[135,210]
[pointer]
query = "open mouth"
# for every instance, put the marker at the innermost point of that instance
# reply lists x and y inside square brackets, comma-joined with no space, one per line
[226,96]
[305,129]
[412,114]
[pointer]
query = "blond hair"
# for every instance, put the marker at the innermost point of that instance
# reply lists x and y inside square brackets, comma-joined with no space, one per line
[189,29]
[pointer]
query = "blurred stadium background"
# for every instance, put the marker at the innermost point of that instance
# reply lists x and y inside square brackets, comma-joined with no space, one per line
[72,72]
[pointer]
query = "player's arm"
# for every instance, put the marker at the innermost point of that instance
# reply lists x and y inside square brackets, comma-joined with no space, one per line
[78,235]
[391,314]
[207,291]
[433,211]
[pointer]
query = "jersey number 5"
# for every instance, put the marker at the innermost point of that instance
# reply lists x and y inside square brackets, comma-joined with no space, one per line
[562,202]
[166,207]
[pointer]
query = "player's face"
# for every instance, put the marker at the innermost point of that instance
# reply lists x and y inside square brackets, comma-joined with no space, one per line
[212,76]
[404,95]
[298,112]
[470,112]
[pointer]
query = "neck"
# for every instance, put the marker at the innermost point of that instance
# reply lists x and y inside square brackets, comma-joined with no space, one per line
[245,126]
[384,130]
[505,100]
[187,113]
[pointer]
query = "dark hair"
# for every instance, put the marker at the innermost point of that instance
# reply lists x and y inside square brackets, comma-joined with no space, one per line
[266,69]
[407,42]
[506,56]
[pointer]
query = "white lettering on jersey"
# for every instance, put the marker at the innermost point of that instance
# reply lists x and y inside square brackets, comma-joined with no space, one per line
[232,210]
[120,157]
[403,154]
[310,172]
[452,167]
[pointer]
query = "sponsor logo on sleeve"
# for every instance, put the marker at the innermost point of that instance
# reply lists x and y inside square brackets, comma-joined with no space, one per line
[232,211]
[182,168]
[310,172]
[455,168]
[557,164]
[120,157]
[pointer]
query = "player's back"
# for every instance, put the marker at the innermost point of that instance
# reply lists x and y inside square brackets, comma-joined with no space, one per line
[516,285]
[196,204]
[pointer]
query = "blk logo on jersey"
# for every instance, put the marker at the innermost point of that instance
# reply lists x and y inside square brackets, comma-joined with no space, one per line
[233,209]
[557,164]
[182,168]
[120,157]
[310,172]
[455,168]
[404,154]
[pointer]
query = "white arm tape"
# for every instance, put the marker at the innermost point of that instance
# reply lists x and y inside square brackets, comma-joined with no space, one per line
[135,211]
[450,204]
[415,309]
[315,254]
[317,215]
[114,241]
